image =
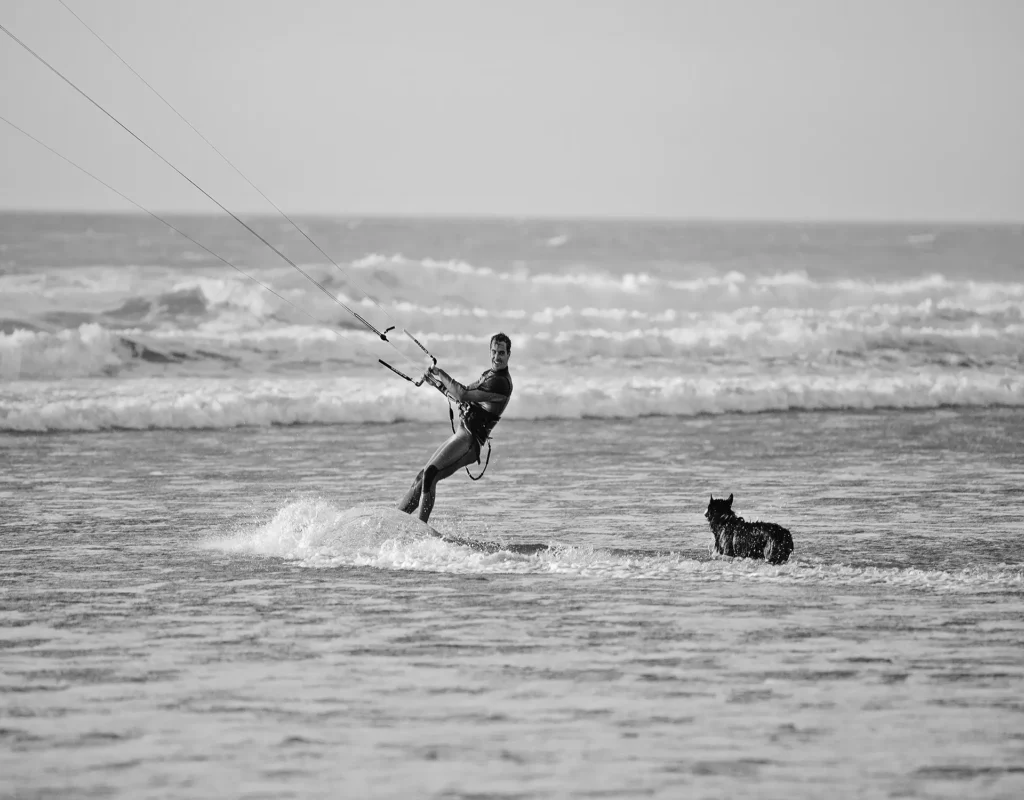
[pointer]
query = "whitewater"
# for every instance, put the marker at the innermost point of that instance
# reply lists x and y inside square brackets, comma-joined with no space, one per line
[206,589]
[143,332]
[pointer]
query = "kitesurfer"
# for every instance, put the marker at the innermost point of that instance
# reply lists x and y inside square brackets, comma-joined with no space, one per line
[480,407]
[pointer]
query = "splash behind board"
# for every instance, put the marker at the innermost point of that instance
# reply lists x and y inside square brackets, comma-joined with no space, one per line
[375,522]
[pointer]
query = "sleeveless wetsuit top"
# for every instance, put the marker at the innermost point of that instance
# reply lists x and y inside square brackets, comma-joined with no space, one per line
[480,418]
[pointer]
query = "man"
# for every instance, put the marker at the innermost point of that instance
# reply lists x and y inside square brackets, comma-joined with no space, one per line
[480,407]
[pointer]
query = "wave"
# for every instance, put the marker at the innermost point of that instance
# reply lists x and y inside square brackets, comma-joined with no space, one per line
[456,296]
[212,401]
[92,350]
[732,281]
[316,534]
[79,343]
[460,283]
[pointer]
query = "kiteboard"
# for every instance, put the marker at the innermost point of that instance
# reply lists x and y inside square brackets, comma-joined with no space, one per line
[374,523]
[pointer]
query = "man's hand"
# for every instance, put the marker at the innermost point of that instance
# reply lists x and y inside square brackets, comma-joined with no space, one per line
[432,376]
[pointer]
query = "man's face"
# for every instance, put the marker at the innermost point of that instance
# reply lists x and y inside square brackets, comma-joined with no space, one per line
[499,355]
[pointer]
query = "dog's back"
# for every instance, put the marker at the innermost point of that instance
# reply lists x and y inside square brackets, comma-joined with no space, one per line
[736,537]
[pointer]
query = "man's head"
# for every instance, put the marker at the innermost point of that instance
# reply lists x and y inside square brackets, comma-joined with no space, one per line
[501,349]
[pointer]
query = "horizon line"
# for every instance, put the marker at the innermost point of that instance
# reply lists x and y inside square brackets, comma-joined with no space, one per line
[505,217]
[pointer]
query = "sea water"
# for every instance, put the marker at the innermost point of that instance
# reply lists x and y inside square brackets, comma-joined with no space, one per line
[205,589]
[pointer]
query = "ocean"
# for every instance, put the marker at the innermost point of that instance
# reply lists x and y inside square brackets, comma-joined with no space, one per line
[205,589]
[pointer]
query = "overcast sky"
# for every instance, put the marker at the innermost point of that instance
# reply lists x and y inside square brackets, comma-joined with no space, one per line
[767,109]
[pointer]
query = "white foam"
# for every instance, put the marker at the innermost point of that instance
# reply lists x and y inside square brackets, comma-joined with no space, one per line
[231,293]
[736,341]
[317,534]
[87,350]
[218,402]
[314,530]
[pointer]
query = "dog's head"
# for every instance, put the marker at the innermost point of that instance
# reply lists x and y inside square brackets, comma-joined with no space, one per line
[717,509]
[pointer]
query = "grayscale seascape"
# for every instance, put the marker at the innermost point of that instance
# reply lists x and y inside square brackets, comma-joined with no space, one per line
[753,253]
[194,604]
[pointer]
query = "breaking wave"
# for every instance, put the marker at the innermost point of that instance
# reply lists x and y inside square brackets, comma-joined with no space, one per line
[214,402]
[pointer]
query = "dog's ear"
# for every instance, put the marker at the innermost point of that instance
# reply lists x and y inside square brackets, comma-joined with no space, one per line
[729,501]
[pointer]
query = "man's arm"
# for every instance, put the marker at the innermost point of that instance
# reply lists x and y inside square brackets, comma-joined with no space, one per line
[460,393]
[480,396]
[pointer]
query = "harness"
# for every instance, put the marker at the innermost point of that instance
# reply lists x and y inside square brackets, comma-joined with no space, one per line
[470,413]
[464,410]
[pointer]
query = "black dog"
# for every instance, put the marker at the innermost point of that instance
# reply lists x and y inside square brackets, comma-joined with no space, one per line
[734,536]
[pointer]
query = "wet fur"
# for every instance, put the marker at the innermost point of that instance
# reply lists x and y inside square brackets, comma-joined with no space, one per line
[736,537]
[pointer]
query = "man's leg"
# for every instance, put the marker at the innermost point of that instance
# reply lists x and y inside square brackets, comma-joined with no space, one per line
[459,451]
[411,501]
